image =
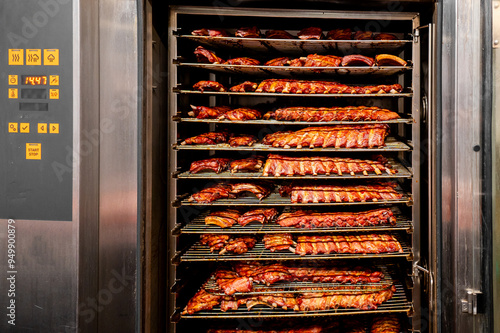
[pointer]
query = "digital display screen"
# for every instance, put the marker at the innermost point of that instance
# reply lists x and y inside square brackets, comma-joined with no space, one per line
[34,93]
[34,80]
[33,107]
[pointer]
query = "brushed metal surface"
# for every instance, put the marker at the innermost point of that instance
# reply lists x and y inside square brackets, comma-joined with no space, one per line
[461,165]
[118,167]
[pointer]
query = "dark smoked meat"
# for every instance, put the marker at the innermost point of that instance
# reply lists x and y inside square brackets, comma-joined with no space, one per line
[316,60]
[206,112]
[209,138]
[216,165]
[259,190]
[340,136]
[246,86]
[215,242]
[212,193]
[243,61]
[324,114]
[209,86]
[389,60]
[298,62]
[386,324]
[278,34]
[210,32]
[311,220]
[229,282]
[363,301]
[241,114]
[363,35]
[224,219]
[339,34]
[291,86]
[248,32]
[279,165]
[357,60]
[202,300]
[206,56]
[310,33]
[251,164]
[385,36]
[281,61]
[257,215]
[242,140]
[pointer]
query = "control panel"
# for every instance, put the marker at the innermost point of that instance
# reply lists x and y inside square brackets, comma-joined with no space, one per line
[36,119]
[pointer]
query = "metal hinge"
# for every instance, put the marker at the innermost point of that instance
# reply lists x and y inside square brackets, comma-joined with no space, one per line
[469,305]
[416,34]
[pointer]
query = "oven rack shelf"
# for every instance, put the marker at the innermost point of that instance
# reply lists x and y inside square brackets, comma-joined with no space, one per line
[298,46]
[302,286]
[391,145]
[291,71]
[402,172]
[407,119]
[180,90]
[274,199]
[201,253]
[198,226]
[398,303]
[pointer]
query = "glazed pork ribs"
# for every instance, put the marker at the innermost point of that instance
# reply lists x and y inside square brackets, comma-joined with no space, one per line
[279,165]
[340,136]
[326,114]
[291,86]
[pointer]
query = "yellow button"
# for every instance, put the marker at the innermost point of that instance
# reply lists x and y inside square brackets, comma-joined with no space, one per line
[54,80]
[13,80]
[13,93]
[51,57]
[54,93]
[34,57]
[42,127]
[54,128]
[33,151]
[25,127]
[13,127]
[16,57]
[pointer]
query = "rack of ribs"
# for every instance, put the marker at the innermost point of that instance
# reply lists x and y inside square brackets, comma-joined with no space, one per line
[209,138]
[316,60]
[257,215]
[278,242]
[389,60]
[281,61]
[202,300]
[224,243]
[279,165]
[291,86]
[352,244]
[251,164]
[278,34]
[386,324]
[311,220]
[209,86]
[248,32]
[357,60]
[242,140]
[205,112]
[340,193]
[230,282]
[246,86]
[224,219]
[210,32]
[224,191]
[340,34]
[364,301]
[204,55]
[340,136]
[310,33]
[241,114]
[385,36]
[243,61]
[363,35]
[338,113]
[216,165]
